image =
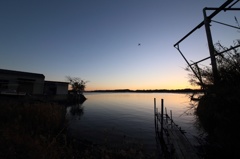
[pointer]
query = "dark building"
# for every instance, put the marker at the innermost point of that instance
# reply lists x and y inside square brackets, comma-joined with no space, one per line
[55,88]
[56,91]
[21,82]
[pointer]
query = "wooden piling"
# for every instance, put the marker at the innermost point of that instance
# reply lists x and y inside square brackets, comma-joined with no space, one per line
[155,113]
[166,115]
[171,117]
[174,144]
[162,117]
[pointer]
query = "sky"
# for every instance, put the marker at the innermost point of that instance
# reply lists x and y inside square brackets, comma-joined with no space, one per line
[98,41]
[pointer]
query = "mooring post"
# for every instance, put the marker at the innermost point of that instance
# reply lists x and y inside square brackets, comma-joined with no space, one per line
[166,115]
[162,117]
[154,106]
[171,117]
[155,113]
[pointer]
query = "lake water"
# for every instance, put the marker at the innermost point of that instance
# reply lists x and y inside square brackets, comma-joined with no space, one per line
[116,116]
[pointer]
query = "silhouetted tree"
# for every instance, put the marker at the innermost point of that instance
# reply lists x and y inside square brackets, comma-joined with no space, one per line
[77,84]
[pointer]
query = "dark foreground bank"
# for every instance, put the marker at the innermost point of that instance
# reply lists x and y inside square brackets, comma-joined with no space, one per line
[219,115]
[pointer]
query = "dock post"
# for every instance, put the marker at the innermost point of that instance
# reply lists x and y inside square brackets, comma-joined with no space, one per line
[162,117]
[155,113]
[166,115]
[171,117]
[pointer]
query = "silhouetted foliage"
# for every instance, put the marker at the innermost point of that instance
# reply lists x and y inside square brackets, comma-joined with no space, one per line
[217,108]
[228,65]
[77,84]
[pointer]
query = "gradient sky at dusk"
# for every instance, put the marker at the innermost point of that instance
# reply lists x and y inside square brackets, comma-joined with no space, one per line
[97,40]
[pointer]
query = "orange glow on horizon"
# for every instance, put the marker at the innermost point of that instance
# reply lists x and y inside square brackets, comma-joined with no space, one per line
[91,88]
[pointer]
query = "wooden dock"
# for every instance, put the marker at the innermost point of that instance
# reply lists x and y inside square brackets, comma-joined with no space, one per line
[171,138]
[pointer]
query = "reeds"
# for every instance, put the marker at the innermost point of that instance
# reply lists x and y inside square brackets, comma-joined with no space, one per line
[28,128]
[35,129]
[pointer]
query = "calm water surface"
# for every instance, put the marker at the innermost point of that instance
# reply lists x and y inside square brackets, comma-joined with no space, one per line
[114,116]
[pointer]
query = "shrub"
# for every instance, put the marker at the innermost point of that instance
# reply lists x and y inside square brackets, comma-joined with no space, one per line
[217,110]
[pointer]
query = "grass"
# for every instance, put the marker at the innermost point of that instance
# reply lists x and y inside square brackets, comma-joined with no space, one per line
[36,129]
[28,129]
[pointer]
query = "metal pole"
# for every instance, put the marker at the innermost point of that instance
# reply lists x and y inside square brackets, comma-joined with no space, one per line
[207,21]
[226,24]
[223,6]
[195,73]
[219,53]
[224,9]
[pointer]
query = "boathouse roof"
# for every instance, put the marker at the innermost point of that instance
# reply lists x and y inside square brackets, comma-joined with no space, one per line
[13,72]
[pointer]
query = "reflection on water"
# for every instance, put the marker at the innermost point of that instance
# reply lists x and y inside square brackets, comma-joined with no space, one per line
[114,116]
[75,112]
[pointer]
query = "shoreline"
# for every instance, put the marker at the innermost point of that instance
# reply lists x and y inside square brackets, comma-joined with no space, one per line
[148,91]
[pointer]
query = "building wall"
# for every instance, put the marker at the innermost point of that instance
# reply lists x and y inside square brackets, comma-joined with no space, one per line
[56,88]
[62,88]
[38,86]
[56,91]
[31,83]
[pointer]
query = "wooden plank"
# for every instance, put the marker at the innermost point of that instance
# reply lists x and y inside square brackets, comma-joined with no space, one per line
[183,148]
[173,138]
[182,145]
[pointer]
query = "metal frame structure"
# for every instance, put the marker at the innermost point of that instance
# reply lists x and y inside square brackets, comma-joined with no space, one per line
[227,6]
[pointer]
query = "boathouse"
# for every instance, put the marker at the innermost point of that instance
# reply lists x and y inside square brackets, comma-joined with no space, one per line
[21,82]
[55,88]
[56,91]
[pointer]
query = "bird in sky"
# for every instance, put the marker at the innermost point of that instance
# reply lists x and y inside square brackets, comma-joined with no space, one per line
[139,44]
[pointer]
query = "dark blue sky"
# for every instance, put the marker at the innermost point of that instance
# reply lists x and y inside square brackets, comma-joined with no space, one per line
[98,40]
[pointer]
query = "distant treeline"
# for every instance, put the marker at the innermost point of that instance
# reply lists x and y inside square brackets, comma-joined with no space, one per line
[187,90]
